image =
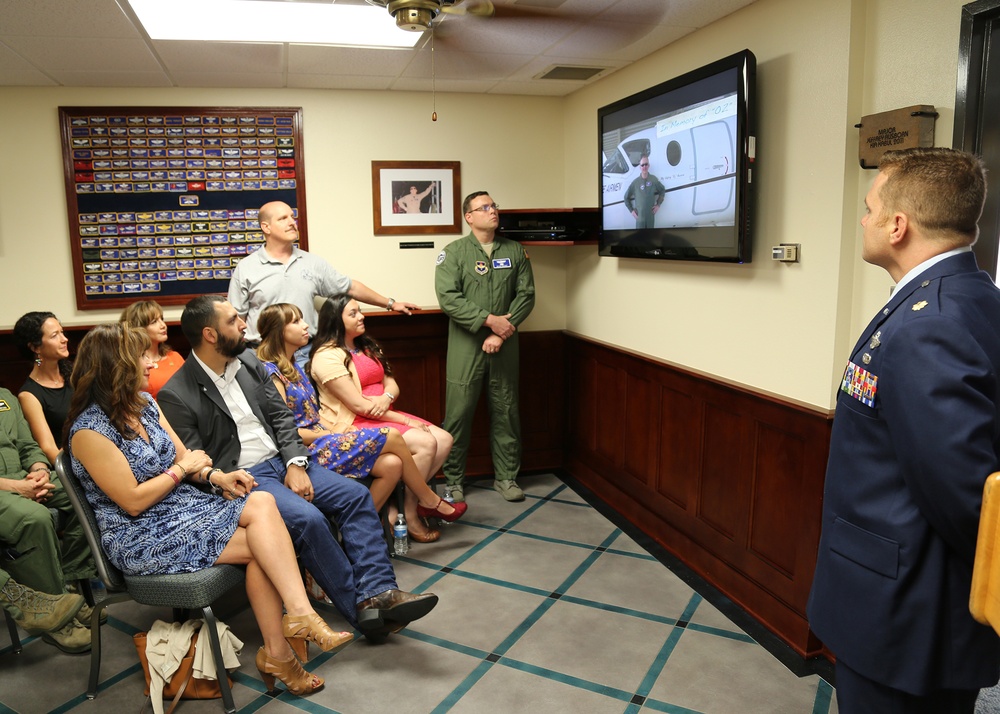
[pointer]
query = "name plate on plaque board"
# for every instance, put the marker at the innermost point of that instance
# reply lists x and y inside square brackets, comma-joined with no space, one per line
[905,128]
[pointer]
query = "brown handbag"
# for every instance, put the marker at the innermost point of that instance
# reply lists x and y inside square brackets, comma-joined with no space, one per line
[182,685]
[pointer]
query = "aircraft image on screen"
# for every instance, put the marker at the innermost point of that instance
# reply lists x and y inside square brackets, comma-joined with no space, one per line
[692,153]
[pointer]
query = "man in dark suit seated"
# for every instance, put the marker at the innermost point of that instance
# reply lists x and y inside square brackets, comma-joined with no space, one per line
[916,434]
[223,401]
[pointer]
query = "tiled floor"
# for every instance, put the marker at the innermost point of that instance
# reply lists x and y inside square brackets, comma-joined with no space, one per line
[546,606]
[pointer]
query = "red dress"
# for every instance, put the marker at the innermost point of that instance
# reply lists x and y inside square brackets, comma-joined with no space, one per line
[371,374]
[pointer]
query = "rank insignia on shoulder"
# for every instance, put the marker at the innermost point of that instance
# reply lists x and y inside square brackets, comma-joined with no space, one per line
[481,268]
[918,306]
[859,383]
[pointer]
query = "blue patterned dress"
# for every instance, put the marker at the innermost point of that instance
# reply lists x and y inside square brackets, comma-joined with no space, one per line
[184,532]
[350,453]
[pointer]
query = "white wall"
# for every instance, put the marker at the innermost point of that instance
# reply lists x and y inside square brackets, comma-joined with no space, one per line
[784,329]
[507,145]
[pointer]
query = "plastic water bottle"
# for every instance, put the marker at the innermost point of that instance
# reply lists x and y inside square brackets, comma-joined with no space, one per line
[400,538]
[451,502]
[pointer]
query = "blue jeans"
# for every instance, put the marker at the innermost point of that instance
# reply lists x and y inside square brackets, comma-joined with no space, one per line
[348,573]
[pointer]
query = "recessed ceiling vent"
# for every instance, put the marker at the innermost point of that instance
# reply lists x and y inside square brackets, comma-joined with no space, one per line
[570,72]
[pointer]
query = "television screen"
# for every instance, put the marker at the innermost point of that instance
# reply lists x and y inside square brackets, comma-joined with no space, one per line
[676,164]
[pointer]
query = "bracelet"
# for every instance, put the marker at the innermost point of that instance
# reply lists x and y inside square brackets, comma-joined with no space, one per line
[392,397]
[171,474]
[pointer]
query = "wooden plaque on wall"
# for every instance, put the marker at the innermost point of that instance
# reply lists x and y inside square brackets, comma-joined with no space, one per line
[163,201]
[905,128]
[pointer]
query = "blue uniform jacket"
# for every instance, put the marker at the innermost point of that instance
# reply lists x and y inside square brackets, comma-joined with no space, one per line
[914,438]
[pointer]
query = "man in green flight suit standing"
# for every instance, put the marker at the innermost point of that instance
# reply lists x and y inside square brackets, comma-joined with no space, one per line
[485,285]
[644,196]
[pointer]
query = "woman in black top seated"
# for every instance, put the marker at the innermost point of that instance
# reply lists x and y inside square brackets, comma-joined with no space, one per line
[46,393]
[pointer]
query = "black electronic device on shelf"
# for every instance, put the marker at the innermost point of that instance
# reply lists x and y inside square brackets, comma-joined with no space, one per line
[553,225]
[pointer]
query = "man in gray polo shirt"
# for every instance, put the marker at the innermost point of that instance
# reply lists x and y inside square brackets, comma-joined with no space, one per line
[281,272]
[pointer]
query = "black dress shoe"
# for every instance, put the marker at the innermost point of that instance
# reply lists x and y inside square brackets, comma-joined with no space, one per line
[391,611]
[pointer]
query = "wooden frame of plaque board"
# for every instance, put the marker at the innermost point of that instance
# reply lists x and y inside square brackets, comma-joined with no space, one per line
[163,201]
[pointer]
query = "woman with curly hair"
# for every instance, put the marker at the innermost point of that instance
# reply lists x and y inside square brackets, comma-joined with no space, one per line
[135,473]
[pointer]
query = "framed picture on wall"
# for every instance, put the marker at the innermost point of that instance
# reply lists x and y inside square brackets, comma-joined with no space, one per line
[416,197]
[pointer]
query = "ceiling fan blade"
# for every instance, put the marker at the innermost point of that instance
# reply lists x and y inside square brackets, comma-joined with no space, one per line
[486,8]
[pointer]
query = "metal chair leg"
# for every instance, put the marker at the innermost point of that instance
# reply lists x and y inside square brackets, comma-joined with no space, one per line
[220,665]
[15,638]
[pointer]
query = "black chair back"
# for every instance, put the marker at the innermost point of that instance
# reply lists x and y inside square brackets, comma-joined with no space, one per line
[111,576]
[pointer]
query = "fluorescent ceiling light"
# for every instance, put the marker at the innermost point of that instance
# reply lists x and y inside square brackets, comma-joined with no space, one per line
[269,21]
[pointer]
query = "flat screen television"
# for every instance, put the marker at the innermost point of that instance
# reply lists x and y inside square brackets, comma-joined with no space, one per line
[695,133]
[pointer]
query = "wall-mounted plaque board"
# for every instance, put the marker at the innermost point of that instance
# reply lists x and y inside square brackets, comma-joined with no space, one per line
[163,201]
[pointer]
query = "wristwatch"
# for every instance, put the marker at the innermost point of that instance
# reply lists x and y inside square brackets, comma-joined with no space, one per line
[298,461]
[388,305]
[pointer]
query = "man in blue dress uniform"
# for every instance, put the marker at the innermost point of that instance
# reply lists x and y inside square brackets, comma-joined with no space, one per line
[917,432]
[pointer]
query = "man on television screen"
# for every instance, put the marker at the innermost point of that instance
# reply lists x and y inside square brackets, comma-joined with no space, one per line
[644,197]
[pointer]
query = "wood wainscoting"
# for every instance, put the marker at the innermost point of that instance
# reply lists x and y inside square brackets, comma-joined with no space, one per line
[728,480]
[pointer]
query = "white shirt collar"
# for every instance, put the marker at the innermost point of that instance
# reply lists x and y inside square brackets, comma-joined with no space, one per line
[928,263]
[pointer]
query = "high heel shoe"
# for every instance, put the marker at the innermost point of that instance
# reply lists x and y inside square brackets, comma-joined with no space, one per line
[460,509]
[290,672]
[428,536]
[299,630]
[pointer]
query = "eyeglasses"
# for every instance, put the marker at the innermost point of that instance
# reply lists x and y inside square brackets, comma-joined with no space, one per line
[642,166]
[488,208]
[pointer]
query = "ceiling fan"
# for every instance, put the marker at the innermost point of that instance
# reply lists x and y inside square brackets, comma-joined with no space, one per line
[418,15]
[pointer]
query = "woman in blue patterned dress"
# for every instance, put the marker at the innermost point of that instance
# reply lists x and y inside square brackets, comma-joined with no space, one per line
[134,471]
[282,332]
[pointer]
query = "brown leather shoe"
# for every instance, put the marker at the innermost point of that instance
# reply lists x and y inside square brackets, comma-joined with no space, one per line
[391,611]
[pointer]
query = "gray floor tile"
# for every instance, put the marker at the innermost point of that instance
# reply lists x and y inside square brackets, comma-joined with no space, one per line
[567,522]
[718,675]
[601,647]
[502,689]
[638,584]
[526,561]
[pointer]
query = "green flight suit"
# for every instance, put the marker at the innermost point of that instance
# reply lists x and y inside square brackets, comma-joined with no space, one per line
[470,286]
[26,526]
[642,196]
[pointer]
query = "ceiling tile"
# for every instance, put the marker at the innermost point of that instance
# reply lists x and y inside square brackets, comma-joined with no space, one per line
[316,59]
[71,53]
[220,57]
[66,18]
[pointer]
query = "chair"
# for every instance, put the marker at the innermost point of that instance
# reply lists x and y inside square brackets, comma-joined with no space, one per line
[182,591]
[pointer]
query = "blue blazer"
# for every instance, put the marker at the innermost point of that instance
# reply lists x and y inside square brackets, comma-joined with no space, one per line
[916,433]
[197,412]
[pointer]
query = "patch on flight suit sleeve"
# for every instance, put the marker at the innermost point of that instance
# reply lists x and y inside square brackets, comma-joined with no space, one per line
[4,407]
[859,383]
[440,259]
